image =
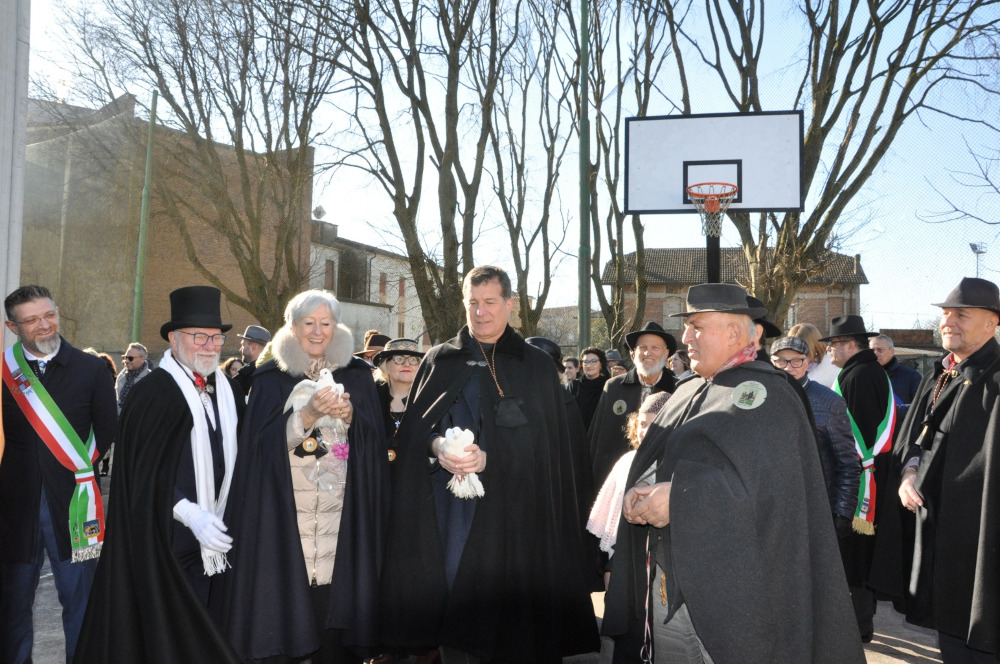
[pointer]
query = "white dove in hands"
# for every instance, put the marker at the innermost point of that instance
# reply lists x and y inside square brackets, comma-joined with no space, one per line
[303,392]
[455,442]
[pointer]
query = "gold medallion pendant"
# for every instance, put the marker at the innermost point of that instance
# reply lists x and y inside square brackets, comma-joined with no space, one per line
[310,444]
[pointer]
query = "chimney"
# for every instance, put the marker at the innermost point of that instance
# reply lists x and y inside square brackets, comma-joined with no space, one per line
[857,264]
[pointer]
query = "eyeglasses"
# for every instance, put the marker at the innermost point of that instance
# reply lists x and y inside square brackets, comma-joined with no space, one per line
[49,317]
[837,342]
[590,361]
[795,363]
[200,338]
[412,360]
[130,359]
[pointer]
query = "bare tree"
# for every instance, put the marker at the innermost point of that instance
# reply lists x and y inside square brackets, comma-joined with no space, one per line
[867,69]
[630,44]
[415,101]
[529,136]
[241,81]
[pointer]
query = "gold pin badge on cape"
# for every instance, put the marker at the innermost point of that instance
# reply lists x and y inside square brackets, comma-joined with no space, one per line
[310,444]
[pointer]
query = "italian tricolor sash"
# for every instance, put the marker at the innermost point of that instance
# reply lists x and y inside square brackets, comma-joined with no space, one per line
[864,517]
[86,510]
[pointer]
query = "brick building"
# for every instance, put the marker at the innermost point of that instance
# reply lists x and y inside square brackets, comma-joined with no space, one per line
[670,272]
[83,191]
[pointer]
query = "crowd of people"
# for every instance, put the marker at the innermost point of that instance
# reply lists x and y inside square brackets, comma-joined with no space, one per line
[742,495]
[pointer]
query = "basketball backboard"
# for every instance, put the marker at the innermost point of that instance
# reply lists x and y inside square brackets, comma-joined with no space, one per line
[761,153]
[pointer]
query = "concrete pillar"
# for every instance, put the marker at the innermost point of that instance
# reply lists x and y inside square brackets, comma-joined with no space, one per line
[14,23]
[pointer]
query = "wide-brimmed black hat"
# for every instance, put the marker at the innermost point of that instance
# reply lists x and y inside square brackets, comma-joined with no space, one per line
[256,334]
[652,327]
[550,347]
[973,293]
[722,298]
[770,329]
[195,306]
[397,347]
[851,325]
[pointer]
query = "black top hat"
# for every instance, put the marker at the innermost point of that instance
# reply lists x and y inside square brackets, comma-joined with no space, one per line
[550,347]
[851,325]
[256,334]
[654,328]
[375,343]
[397,347]
[194,306]
[722,298]
[973,293]
[770,329]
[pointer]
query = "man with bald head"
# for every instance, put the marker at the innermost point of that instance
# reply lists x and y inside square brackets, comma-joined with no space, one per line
[949,450]
[727,510]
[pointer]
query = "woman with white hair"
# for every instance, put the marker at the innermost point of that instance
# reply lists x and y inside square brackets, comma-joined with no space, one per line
[311,491]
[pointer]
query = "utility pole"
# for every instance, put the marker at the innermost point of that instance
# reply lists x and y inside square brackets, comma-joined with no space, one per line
[583,335]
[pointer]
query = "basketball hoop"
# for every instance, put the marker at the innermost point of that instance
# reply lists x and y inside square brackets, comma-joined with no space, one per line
[712,199]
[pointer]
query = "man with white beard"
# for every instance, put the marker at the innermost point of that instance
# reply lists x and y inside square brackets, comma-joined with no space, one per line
[59,417]
[649,348]
[174,466]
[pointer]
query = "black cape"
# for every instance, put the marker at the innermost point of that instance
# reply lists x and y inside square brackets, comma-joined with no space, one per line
[750,547]
[142,608]
[960,520]
[519,593]
[265,604]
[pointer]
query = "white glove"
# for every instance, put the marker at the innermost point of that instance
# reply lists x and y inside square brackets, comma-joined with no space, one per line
[207,528]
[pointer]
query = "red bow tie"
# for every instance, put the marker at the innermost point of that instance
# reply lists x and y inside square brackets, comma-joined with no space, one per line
[199,381]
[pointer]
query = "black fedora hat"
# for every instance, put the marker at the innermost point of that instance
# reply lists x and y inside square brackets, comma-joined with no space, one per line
[851,325]
[550,347]
[721,298]
[397,347]
[652,327]
[195,306]
[973,293]
[770,329]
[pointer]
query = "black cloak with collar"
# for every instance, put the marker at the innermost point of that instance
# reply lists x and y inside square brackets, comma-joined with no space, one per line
[750,547]
[265,604]
[608,440]
[519,594]
[956,561]
[865,387]
[142,607]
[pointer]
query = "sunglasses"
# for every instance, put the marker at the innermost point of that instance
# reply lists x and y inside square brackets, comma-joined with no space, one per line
[130,359]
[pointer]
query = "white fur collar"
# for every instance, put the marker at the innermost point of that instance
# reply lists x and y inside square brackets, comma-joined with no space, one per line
[290,358]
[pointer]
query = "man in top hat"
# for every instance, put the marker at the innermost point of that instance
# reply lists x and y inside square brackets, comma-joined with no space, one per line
[949,450]
[871,408]
[59,417]
[253,341]
[727,510]
[649,348]
[174,465]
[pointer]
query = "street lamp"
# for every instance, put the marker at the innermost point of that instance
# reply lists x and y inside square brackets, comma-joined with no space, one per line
[978,248]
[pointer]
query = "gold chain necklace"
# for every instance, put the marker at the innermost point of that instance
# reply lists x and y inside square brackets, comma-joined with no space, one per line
[491,365]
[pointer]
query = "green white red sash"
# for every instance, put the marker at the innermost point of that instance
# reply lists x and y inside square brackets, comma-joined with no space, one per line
[86,509]
[864,516]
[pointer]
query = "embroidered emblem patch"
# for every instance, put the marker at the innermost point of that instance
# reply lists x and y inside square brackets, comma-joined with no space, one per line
[619,407]
[92,528]
[749,395]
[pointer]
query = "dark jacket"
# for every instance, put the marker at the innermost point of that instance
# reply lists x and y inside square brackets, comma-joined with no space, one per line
[587,392]
[835,442]
[84,390]
[608,440]
[518,594]
[866,390]
[905,382]
[954,585]
[139,579]
[244,377]
[749,526]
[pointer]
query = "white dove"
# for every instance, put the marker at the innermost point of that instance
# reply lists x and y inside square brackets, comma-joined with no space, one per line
[304,390]
[463,486]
